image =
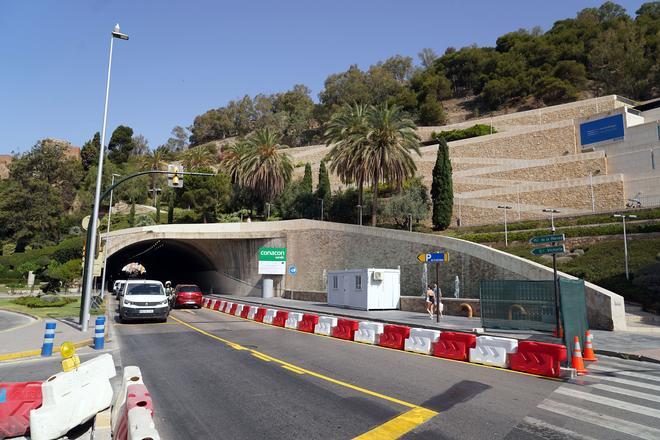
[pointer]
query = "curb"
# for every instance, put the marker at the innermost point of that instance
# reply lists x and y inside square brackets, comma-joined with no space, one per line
[628,356]
[35,317]
[32,353]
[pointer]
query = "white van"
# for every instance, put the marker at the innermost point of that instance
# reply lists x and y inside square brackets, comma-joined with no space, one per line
[117,287]
[143,299]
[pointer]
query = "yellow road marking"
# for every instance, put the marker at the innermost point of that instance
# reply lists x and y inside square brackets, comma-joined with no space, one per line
[263,358]
[190,311]
[399,425]
[426,356]
[295,370]
[30,353]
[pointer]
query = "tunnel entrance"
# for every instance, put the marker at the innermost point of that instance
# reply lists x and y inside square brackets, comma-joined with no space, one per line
[164,260]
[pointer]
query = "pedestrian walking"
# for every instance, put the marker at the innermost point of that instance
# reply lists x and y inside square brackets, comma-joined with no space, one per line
[437,296]
[430,300]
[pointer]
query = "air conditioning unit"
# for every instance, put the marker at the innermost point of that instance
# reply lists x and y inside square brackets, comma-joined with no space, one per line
[377,276]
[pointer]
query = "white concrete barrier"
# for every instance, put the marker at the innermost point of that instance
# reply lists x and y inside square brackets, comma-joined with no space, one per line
[421,340]
[325,325]
[495,351]
[132,375]
[252,312]
[141,425]
[270,314]
[73,397]
[368,332]
[293,320]
[239,309]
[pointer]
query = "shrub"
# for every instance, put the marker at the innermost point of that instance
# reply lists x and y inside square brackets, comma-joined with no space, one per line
[466,133]
[35,302]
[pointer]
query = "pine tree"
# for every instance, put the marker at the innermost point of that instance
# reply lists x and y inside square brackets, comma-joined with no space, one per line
[170,210]
[442,192]
[131,215]
[323,189]
[306,184]
[89,153]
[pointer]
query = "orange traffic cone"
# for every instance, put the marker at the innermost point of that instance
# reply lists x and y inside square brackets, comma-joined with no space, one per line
[589,354]
[577,361]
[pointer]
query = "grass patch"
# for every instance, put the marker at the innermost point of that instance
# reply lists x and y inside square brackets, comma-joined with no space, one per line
[603,264]
[68,310]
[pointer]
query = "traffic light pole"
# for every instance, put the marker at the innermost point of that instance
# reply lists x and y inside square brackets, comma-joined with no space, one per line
[88,267]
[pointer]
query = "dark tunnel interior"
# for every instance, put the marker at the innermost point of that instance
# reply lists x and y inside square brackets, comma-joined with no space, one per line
[164,260]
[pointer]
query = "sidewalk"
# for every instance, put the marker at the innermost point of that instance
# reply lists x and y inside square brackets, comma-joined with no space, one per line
[25,340]
[640,346]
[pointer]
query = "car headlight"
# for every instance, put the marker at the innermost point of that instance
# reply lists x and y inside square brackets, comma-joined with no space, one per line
[129,303]
[162,303]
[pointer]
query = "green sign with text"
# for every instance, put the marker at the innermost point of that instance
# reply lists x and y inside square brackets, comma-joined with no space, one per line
[547,238]
[549,250]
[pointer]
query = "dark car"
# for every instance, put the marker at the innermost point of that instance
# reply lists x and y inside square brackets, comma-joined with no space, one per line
[187,295]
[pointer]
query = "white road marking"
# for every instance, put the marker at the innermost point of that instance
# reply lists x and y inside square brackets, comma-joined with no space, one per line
[599,368]
[627,365]
[632,383]
[601,400]
[602,420]
[536,427]
[627,392]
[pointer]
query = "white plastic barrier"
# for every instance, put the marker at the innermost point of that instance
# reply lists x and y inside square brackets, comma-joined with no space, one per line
[368,332]
[252,312]
[132,376]
[270,314]
[141,425]
[239,309]
[73,397]
[227,306]
[492,350]
[293,320]
[421,340]
[212,303]
[325,325]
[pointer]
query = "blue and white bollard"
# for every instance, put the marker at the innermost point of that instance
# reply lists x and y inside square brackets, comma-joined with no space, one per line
[49,339]
[99,333]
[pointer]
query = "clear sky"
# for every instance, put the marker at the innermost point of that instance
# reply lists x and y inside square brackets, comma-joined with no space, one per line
[185,57]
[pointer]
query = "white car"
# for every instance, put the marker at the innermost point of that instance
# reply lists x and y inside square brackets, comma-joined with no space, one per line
[117,287]
[144,299]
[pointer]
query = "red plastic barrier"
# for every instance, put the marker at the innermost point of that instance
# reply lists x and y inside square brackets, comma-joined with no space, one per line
[232,308]
[17,399]
[136,396]
[216,306]
[394,336]
[259,316]
[345,329]
[540,358]
[245,311]
[454,345]
[308,323]
[280,318]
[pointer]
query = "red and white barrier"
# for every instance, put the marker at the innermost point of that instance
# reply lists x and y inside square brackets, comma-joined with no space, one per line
[141,425]
[293,320]
[132,376]
[421,340]
[494,351]
[238,310]
[18,399]
[368,332]
[325,325]
[227,306]
[269,316]
[253,311]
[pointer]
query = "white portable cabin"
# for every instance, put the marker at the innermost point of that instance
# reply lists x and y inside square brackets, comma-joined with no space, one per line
[364,289]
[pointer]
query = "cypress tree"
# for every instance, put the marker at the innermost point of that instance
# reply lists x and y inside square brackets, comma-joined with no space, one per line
[323,189]
[442,192]
[131,215]
[158,212]
[170,210]
[306,184]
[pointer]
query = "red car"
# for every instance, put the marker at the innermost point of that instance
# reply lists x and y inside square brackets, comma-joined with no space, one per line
[187,295]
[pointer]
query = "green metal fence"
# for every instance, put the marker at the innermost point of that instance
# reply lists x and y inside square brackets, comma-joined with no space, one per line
[518,305]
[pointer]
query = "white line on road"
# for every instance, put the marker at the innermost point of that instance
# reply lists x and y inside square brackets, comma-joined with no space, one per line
[538,427]
[602,400]
[627,392]
[632,383]
[628,365]
[599,368]
[602,420]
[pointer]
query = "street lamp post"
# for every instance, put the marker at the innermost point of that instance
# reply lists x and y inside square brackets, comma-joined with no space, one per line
[267,210]
[91,231]
[625,240]
[107,239]
[410,222]
[552,217]
[359,207]
[321,208]
[506,232]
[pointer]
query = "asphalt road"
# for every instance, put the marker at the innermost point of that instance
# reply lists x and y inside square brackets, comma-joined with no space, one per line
[299,385]
[10,320]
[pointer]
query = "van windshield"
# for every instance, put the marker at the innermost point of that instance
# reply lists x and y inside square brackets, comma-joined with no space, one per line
[145,289]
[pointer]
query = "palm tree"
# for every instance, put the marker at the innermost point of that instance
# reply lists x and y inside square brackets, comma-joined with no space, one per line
[155,160]
[346,133]
[231,160]
[263,167]
[199,157]
[390,137]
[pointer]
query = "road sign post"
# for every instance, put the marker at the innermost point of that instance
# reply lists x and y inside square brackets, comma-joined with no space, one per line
[554,249]
[437,258]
